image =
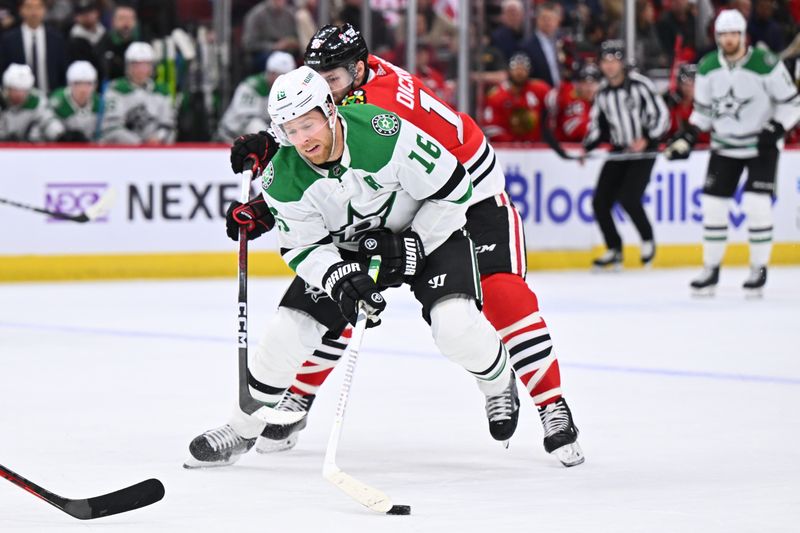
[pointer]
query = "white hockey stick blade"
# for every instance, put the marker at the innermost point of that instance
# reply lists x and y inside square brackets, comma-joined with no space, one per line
[367,496]
[102,206]
[280,418]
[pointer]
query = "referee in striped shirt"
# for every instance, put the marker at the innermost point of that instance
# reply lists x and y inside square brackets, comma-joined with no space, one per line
[632,116]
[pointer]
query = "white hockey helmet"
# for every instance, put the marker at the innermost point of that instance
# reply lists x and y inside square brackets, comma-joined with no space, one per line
[730,20]
[140,52]
[81,71]
[18,77]
[280,63]
[296,93]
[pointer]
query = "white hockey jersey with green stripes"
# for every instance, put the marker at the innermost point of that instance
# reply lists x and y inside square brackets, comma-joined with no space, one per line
[735,101]
[392,176]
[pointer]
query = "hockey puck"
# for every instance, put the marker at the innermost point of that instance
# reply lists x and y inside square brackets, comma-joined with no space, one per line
[399,509]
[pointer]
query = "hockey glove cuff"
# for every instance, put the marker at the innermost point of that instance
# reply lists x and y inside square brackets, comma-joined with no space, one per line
[402,255]
[259,147]
[348,283]
[254,216]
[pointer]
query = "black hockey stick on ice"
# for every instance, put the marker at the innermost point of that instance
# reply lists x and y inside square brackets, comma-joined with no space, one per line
[96,210]
[367,496]
[121,501]
[247,403]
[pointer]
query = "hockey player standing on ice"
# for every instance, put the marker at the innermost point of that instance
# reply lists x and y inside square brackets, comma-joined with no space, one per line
[747,99]
[247,112]
[352,182]
[24,113]
[138,110]
[77,104]
[495,226]
[628,110]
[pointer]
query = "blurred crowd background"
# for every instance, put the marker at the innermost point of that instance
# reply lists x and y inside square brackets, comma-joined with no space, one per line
[200,70]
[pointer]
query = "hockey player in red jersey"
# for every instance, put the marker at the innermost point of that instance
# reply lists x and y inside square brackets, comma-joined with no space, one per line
[681,103]
[515,109]
[495,226]
[569,104]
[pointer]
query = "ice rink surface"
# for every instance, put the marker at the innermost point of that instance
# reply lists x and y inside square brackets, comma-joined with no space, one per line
[688,411]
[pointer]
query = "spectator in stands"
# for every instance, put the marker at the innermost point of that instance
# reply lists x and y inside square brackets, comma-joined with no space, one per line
[247,112]
[86,34]
[509,33]
[382,38]
[77,105]
[8,14]
[432,77]
[24,113]
[138,110]
[34,45]
[442,31]
[305,20]
[649,52]
[515,109]
[681,103]
[542,46]
[124,31]
[678,21]
[269,26]
[763,28]
[569,105]
[745,7]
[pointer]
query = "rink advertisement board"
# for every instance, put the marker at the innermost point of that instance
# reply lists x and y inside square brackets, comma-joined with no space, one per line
[167,215]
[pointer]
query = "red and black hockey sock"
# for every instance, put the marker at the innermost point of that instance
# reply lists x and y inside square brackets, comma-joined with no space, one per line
[512,308]
[320,364]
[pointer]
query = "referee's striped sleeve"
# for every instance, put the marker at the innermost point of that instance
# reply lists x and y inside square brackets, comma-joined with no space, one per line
[592,138]
[655,108]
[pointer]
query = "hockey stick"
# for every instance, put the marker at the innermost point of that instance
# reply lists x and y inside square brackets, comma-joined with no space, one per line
[792,50]
[367,496]
[620,156]
[121,501]
[96,210]
[247,403]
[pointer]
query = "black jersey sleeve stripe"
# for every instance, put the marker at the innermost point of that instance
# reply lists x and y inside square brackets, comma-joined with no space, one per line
[483,175]
[476,165]
[455,179]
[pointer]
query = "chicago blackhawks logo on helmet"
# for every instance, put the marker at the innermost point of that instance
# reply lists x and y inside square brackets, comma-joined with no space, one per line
[386,124]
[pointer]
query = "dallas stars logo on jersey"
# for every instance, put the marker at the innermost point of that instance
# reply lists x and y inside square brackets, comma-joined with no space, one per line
[728,105]
[358,224]
[386,125]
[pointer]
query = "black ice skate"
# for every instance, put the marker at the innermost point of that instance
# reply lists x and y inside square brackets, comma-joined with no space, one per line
[277,438]
[706,283]
[560,433]
[648,253]
[609,261]
[502,410]
[217,447]
[754,284]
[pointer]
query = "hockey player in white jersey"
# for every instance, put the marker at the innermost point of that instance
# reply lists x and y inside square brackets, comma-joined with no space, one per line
[352,182]
[77,104]
[247,111]
[24,113]
[747,99]
[137,109]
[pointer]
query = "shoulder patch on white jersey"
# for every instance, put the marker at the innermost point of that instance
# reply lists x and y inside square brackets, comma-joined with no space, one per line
[267,176]
[385,124]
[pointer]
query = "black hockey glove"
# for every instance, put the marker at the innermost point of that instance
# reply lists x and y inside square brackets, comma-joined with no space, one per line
[680,146]
[259,147]
[348,283]
[772,133]
[254,215]
[402,255]
[72,136]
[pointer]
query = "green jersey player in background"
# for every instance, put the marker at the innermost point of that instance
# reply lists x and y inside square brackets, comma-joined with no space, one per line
[746,98]
[347,183]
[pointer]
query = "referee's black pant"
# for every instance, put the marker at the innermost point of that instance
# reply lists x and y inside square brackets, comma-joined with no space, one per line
[623,182]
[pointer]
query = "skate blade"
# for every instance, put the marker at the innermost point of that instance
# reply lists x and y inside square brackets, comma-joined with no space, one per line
[754,294]
[193,464]
[265,445]
[597,269]
[705,292]
[505,443]
[569,454]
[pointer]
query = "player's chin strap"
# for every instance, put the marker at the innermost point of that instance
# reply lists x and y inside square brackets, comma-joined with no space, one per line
[332,124]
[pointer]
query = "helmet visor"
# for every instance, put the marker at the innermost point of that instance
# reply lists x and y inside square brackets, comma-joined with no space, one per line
[300,129]
[340,80]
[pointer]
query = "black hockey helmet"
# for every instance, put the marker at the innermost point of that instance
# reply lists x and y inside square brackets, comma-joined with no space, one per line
[589,71]
[332,47]
[613,47]
[687,72]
